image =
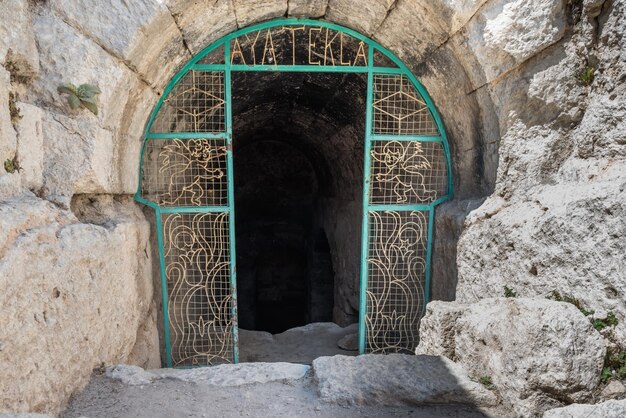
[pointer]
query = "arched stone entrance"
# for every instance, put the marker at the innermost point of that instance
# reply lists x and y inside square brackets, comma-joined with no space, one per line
[187,177]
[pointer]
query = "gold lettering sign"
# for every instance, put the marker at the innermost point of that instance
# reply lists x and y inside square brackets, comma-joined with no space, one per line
[298,45]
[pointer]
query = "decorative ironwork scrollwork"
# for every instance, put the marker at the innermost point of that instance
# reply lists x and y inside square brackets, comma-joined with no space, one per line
[396,265]
[200,297]
[405,172]
[185,172]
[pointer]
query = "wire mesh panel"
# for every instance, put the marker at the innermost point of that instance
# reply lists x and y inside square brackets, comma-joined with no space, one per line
[200,298]
[195,104]
[185,172]
[396,269]
[406,172]
[399,109]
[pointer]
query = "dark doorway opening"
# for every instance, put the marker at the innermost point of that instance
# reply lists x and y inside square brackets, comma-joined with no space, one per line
[298,155]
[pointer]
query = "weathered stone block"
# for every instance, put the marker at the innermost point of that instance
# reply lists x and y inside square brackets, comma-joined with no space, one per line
[8,139]
[30,153]
[422,29]
[253,11]
[73,296]
[143,33]
[608,409]
[504,34]
[538,353]
[79,157]
[438,329]
[18,50]
[194,17]
[307,8]
[65,62]
[364,16]
[396,379]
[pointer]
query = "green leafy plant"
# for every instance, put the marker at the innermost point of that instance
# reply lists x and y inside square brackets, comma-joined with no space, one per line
[81,96]
[13,110]
[11,165]
[509,293]
[609,321]
[614,365]
[554,295]
[587,75]
[486,381]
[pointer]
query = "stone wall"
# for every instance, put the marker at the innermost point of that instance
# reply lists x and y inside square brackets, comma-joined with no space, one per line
[545,147]
[556,221]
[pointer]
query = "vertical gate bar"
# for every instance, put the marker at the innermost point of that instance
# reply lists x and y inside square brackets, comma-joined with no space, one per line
[366,200]
[166,320]
[231,198]
[429,252]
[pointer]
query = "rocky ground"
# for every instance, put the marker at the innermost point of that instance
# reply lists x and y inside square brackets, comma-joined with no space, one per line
[300,344]
[280,390]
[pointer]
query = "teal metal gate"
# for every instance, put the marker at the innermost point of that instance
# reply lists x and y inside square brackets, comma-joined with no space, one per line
[186,176]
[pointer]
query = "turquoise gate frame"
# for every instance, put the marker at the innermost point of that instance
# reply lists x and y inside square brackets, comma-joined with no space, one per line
[227,67]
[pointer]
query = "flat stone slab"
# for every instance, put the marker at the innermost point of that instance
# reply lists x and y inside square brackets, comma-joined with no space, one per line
[608,409]
[222,375]
[397,379]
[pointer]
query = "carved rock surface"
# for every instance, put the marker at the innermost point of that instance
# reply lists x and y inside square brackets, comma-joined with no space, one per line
[557,218]
[538,353]
[73,296]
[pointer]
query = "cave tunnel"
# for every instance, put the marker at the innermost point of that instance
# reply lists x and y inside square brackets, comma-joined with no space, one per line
[298,167]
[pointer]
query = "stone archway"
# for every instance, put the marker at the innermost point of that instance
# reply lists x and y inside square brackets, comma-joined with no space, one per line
[117,47]
[187,178]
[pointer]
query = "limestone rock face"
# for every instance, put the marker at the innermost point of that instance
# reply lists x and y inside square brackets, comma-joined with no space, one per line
[29,152]
[73,296]
[18,51]
[438,329]
[8,140]
[253,11]
[556,220]
[193,19]
[396,379]
[79,160]
[122,28]
[364,16]
[505,33]
[540,143]
[307,8]
[608,409]
[538,353]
